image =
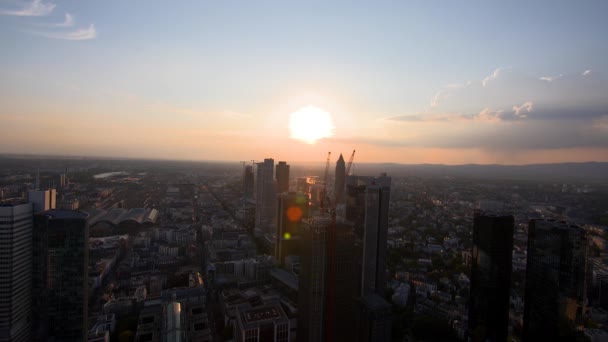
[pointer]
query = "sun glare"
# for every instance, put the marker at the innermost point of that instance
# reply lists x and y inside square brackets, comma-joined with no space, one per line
[310,124]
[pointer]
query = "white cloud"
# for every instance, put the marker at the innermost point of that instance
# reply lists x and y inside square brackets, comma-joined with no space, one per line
[34,9]
[67,22]
[439,96]
[586,72]
[551,78]
[493,76]
[80,34]
[523,110]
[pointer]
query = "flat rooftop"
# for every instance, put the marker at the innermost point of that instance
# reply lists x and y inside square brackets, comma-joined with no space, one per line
[261,314]
[65,214]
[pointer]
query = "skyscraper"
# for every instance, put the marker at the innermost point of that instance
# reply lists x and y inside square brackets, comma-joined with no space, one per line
[292,208]
[15,270]
[340,179]
[327,293]
[367,207]
[367,204]
[555,280]
[60,280]
[312,291]
[265,196]
[490,276]
[282,177]
[248,181]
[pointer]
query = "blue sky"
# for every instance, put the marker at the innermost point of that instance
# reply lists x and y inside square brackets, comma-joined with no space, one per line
[420,81]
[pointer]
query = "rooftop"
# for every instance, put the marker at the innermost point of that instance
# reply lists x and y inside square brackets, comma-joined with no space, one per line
[261,314]
[65,214]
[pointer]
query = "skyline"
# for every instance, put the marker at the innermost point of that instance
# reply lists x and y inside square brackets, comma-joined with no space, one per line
[408,83]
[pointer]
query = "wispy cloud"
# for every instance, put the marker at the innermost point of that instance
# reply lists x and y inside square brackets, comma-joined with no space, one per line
[67,22]
[34,9]
[487,115]
[586,72]
[551,78]
[494,75]
[79,34]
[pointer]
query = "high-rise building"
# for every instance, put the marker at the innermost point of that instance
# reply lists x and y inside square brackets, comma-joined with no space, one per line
[15,270]
[327,293]
[42,199]
[292,208]
[265,196]
[60,279]
[555,280]
[282,174]
[367,207]
[490,276]
[248,181]
[340,179]
[367,204]
[312,291]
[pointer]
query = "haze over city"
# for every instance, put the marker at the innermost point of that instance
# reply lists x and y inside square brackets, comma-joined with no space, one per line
[403,82]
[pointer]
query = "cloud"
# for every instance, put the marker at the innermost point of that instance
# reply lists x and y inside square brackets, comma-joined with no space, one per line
[34,9]
[523,110]
[551,78]
[80,34]
[494,75]
[450,89]
[586,72]
[67,22]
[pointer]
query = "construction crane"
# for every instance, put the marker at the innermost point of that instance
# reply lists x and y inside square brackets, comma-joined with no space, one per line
[350,163]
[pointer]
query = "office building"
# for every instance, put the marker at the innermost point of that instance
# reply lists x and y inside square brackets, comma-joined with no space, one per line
[248,182]
[260,323]
[312,289]
[282,175]
[490,276]
[555,280]
[327,291]
[292,208]
[15,270]
[60,279]
[367,205]
[340,179]
[265,196]
[42,200]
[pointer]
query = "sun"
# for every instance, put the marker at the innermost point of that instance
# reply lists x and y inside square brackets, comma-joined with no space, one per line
[309,124]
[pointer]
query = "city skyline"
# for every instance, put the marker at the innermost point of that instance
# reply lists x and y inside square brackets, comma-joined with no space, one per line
[513,83]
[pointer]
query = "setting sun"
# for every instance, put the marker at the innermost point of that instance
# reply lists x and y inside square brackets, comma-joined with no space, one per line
[310,124]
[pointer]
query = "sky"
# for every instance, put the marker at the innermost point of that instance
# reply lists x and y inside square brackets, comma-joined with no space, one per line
[451,82]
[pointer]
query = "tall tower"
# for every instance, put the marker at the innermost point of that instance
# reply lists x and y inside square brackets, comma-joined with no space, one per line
[327,290]
[367,207]
[367,204]
[555,280]
[248,181]
[60,280]
[15,270]
[340,179]
[282,177]
[491,276]
[292,209]
[312,291]
[265,196]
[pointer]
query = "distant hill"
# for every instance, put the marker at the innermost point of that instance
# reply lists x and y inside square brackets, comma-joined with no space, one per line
[591,171]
